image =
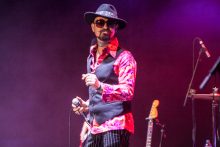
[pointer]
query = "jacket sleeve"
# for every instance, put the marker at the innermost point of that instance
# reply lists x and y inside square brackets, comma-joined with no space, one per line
[125,67]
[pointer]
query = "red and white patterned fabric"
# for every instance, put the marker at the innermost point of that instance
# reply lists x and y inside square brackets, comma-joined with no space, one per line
[125,67]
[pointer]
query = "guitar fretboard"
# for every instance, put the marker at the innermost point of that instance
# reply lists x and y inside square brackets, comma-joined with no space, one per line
[149,133]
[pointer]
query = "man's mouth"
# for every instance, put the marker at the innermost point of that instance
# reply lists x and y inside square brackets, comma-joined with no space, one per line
[105,31]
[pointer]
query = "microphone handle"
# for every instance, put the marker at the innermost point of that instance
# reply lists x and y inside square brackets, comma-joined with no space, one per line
[86,119]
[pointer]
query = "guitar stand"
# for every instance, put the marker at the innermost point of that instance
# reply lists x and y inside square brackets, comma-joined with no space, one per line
[162,131]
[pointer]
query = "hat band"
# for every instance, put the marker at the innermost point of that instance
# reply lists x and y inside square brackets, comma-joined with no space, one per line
[106,13]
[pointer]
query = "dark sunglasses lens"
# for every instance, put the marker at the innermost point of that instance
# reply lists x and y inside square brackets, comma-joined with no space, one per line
[111,24]
[100,23]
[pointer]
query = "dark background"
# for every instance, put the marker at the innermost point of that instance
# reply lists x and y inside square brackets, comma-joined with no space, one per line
[43,50]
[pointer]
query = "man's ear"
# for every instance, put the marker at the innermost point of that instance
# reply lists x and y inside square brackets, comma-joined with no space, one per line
[92,27]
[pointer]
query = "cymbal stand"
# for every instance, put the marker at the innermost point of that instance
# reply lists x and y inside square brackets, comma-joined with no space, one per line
[214,97]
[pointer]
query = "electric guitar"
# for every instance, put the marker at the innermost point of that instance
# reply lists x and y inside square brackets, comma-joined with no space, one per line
[84,133]
[153,114]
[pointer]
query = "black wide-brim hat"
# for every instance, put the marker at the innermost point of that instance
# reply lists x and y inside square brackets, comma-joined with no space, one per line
[108,11]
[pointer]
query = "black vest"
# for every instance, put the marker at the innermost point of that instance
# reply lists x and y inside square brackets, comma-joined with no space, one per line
[99,110]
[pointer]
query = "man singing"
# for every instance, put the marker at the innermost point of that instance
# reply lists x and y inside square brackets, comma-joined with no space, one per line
[110,77]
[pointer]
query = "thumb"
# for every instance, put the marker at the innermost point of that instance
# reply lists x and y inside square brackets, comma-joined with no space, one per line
[82,102]
[80,99]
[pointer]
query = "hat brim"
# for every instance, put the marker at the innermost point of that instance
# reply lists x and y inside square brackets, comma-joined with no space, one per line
[90,16]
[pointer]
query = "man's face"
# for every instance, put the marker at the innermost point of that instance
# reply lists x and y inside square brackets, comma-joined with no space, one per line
[104,28]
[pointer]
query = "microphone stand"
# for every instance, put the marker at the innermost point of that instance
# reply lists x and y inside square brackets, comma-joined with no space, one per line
[192,78]
[187,95]
[214,104]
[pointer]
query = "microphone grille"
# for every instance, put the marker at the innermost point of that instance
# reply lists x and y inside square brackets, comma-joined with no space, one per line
[76,102]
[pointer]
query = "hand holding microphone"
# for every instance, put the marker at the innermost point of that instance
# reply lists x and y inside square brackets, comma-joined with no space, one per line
[79,106]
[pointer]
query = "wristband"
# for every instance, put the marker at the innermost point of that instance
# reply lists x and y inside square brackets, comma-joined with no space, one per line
[100,86]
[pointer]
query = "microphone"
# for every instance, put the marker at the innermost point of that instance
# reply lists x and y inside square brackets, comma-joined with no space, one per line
[204,48]
[77,103]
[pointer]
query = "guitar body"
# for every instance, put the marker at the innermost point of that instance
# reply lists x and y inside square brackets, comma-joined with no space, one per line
[84,133]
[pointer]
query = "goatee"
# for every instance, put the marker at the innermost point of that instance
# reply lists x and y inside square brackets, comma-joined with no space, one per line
[104,38]
[105,35]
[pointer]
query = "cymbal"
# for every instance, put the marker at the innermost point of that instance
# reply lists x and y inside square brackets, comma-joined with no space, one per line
[210,96]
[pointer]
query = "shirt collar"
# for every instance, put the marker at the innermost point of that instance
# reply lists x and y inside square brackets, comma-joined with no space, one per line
[111,48]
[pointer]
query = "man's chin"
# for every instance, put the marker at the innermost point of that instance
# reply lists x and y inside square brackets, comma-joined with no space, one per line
[105,38]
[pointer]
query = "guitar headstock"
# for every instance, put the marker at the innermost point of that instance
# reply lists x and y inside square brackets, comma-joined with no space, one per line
[153,112]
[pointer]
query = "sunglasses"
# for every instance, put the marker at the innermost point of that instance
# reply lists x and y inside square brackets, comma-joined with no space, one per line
[100,23]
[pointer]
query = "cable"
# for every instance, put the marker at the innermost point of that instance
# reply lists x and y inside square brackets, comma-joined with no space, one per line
[194,71]
[70,112]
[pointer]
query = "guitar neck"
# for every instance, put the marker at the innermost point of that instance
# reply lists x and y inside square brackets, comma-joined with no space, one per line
[149,133]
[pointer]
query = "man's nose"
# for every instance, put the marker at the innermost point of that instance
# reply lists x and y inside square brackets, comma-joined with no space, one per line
[105,26]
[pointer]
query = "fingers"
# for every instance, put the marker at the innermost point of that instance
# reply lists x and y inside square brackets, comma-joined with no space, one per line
[79,108]
[90,80]
[84,76]
[78,113]
[75,109]
[80,99]
[76,106]
[82,102]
